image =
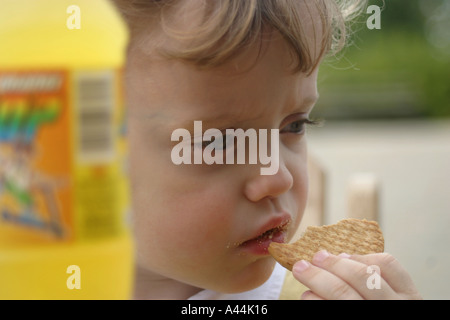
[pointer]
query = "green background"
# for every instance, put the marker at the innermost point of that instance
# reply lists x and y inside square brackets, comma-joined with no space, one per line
[399,71]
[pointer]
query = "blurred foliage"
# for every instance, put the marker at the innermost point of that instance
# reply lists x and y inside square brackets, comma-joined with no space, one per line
[401,70]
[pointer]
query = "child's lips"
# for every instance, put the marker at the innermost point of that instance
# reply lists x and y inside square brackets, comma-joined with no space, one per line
[274,231]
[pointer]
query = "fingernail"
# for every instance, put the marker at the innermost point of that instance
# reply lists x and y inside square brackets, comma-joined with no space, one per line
[301,266]
[321,256]
[344,255]
[305,294]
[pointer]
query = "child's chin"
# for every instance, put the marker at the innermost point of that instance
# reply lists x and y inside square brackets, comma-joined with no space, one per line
[251,277]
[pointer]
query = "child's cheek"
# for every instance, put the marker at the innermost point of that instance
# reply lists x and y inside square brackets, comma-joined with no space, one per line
[300,188]
[195,225]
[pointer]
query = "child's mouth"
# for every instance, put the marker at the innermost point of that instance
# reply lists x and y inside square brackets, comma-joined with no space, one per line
[269,233]
[260,244]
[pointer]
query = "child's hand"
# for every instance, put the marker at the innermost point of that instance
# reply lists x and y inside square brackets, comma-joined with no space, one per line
[353,277]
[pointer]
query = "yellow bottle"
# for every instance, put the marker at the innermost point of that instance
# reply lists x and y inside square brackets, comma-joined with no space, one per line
[63,192]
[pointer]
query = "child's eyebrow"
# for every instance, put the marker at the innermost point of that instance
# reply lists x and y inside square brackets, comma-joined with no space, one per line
[222,119]
[305,106]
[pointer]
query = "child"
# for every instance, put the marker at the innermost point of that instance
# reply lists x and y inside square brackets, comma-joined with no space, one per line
[202,230]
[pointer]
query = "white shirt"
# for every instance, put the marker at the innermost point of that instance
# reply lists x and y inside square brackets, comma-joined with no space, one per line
[269,290]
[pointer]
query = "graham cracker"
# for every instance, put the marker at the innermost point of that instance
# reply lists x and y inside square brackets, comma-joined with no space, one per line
[351,236]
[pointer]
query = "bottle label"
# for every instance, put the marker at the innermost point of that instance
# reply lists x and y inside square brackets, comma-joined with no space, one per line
[61,170]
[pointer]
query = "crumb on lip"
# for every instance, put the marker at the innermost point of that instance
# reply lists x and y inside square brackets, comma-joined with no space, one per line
[269,233]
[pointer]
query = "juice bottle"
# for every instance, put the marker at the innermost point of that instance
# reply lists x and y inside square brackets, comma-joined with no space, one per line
[63,191]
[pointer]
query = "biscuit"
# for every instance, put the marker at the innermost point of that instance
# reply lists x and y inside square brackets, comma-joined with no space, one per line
[351,236]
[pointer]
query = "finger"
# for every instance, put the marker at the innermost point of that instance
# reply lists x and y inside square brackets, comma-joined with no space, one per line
[309,295]
[365,281]
[391,270]
[323,283]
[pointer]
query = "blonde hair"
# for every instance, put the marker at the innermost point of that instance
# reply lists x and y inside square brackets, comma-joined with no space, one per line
[227,26]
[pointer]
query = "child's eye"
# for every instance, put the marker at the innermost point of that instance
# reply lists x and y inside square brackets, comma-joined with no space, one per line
[297,127]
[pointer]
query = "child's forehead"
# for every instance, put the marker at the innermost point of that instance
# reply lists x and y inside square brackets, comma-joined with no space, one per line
[179,93]
[256,65]
[269,62]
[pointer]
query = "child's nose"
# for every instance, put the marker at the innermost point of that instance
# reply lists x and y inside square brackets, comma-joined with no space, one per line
[271,186]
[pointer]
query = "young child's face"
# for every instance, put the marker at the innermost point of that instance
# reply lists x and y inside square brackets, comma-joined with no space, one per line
[195,223]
